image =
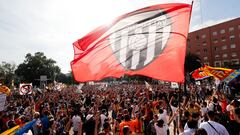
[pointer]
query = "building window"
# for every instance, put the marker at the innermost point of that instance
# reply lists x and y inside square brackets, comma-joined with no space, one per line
[239,27]
[205,58]
[205,50]
[222,31]
[215,40]
[214,33]
[232,38]
[217,63]
[224,55]
[233,46]
[198,52]
[225,62]
[224,47]
[217,56]
[204,43]
[234,54]
[197,37]
[203,36]
[231,29]
[223,39]
[235,61]
[215,48]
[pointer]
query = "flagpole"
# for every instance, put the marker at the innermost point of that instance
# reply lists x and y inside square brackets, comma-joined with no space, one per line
[185,84]
[179,88]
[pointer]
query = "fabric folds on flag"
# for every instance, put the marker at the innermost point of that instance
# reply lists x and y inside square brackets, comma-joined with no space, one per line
[207,71]
[233,75]
[200,74]
[220,73]
[149,41]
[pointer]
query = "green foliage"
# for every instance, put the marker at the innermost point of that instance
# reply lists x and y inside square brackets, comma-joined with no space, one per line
[192,62]
[7,73]
[36,65]
[66,78]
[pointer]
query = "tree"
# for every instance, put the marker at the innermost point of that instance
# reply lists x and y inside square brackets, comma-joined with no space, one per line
[36,65]
[7,73]
[66,78]
[192,62]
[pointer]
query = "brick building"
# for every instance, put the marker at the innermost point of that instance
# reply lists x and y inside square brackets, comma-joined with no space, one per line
[217,45]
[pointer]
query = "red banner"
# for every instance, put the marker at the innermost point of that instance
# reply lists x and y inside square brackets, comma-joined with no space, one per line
[149,41]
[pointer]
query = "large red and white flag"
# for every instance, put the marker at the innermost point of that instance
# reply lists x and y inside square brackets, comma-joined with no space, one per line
[149,41]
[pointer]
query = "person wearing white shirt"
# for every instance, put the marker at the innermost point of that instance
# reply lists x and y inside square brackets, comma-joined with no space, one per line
[195,117]
[192,126]
[103,117]
[212,127]
[163,115]
[204,108]
[29,132]
[76,120]
[160,128]
[213,104]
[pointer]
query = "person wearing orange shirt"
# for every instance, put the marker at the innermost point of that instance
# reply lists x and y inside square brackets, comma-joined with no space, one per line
[137,123]
[126,122]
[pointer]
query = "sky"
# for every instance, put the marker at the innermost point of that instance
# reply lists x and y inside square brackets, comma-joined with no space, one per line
[51,26]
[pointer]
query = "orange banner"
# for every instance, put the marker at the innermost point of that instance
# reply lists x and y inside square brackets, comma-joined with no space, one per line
[206,71]
[220,73]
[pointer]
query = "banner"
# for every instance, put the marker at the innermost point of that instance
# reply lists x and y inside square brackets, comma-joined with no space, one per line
[207,71]
[148,86]
[58,86]
[232,76]
[2,101]
[174,85]
[220,73]
[10,131]
[25,128]
[201,73]
[25,88]
[150,41]
[4,89]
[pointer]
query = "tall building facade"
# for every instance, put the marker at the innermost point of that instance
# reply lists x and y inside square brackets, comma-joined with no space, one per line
[217,45]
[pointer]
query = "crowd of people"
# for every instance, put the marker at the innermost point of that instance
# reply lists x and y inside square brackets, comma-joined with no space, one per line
[124,109]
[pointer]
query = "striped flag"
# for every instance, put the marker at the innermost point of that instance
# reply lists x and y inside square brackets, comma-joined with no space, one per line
[150,41]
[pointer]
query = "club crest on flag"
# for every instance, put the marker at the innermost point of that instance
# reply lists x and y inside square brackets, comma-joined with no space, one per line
[25,89]
[138,39]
